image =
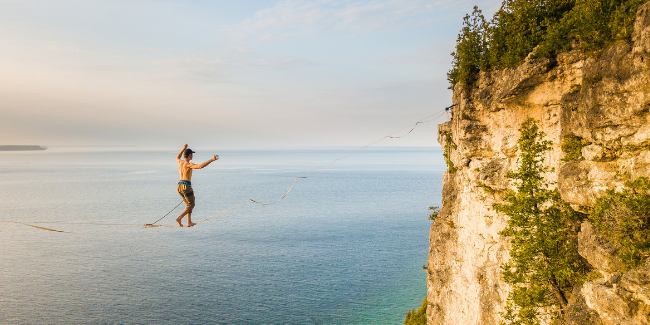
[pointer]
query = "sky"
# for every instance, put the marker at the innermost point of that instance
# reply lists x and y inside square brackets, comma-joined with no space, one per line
[224,73]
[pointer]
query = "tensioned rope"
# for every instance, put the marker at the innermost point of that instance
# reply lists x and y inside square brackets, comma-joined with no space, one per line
[33,225]
[312,173]
[325,167]
[321,169]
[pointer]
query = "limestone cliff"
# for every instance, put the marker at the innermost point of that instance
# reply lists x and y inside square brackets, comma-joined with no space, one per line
[603,99]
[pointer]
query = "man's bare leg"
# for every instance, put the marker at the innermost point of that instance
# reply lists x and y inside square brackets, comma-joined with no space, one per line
[180,218]
[189,220]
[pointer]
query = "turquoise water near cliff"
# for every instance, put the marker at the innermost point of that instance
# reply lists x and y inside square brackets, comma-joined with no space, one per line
[345,247]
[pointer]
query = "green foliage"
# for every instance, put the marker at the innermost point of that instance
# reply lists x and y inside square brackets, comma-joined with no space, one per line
[434,213]
[544,262]
[572,147]
[487,188]
[471,49]
[449,145]
[592,24]
[624,218]
[519,26]
[418,317]
[592,79]
[551,26]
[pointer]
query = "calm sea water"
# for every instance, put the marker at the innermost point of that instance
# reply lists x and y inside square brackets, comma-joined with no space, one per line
[344,247]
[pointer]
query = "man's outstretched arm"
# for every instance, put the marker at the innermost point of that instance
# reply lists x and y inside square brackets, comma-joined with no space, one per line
[178,157]
[205,163]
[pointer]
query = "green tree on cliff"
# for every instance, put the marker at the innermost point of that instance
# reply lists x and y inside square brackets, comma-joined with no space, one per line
[551,26]
[417,317]
[544,262]
[470,56]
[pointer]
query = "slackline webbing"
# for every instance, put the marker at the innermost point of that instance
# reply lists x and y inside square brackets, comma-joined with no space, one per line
[312,173]
[325,167]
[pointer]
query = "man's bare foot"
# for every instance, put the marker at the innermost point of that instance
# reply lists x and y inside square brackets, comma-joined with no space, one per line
[179,222]
[190,224]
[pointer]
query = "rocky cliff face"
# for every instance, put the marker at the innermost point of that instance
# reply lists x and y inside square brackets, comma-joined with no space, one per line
[602,99]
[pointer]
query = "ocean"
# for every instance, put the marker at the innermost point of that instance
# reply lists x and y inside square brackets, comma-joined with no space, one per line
[345,246]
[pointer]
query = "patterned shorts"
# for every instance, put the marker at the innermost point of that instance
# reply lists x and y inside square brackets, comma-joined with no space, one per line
[185,190]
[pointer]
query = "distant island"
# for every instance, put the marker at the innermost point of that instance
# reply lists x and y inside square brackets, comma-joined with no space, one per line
[21,148]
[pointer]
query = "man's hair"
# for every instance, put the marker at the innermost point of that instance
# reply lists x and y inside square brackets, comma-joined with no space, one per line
[187,152]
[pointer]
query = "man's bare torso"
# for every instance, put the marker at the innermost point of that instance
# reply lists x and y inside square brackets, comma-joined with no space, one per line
[185,170]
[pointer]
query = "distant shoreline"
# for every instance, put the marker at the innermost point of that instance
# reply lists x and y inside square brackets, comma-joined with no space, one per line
[21,148]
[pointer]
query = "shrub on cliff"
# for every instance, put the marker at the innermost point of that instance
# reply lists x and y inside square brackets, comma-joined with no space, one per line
[572,147]
[449,146]
[553,26]
[624,218]
[542,230]
[418,317]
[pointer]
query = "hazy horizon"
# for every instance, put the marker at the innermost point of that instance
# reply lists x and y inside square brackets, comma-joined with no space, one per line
[225,74]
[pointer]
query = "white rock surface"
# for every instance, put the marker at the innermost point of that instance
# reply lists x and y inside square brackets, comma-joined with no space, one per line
[466,250]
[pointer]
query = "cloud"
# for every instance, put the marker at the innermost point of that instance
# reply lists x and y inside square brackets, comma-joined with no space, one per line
[292,18]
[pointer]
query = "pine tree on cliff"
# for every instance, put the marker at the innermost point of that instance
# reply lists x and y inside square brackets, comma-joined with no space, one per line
[544,262]
[548,26]
[417,317]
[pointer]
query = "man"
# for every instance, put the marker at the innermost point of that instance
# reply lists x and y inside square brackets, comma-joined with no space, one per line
[185,185]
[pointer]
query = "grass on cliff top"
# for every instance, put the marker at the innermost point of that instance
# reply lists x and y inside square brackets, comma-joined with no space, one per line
[548,26]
